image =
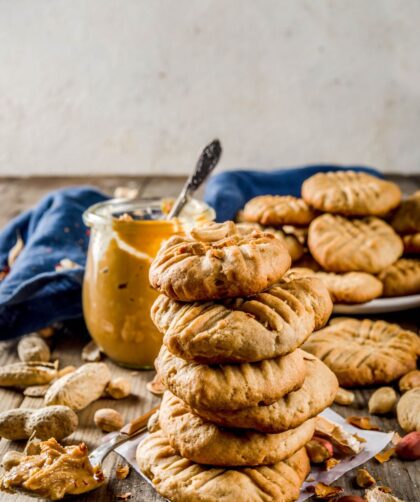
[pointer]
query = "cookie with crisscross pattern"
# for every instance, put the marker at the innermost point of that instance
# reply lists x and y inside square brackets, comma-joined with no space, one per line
[343,245]
[206,443]
[406,220]
[277,210]
[412,243]
[231,386]
[267,325]
[181,480]
[216,261]
[365,352]
[401,278]
[351,193]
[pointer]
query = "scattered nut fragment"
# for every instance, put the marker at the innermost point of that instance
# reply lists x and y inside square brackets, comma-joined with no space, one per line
[319,450]
[408,410]
[408,448]
[11,459]
[156,386]
[65,371]
[410,380]
[382,401]
[66,264]
[331,463]
[36,390]
[385,456]
[108,420]
[52,421]
[91,353]
[118,388]
[47,332]
[80,388]
[323,491]
[25,374]
[341,439]
[362,423]
[33,348]
[364,478]
[344,397]
[15,251]
[380,494]
[122,471]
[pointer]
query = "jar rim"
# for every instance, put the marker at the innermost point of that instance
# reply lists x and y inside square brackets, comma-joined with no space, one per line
[101,213]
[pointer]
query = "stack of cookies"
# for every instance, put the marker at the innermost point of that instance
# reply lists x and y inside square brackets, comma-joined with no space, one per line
[354,236]
[241,394]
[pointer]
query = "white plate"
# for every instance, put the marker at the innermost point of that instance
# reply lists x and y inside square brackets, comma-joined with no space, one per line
[380,305]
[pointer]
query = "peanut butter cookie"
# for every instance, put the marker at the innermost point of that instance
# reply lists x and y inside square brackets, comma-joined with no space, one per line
[216,261]
[206,443]
[351,193]
[401,278]
[267,325]
[348,288]
[231,386]
[411,243]
[317,392]
[365,352]
[290,241]
[181,480]
[407,218]
[277,210]
[358,245]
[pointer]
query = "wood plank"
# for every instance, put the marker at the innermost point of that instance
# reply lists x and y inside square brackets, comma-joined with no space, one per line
[19,194]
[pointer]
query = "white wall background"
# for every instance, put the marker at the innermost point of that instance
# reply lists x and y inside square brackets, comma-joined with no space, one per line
[139,86]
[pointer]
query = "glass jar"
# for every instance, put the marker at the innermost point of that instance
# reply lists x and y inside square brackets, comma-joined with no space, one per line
[117,297]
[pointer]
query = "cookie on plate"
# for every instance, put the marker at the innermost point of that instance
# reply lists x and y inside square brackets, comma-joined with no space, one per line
[411,243]
[351,193]
[277,210]
[231,386]
[402,278]
[358,245]
[348,288]
[407,218]
[215,261]
[270,324]
[290,241]
[317,393]
[365,352]
[206,443]
[180,480]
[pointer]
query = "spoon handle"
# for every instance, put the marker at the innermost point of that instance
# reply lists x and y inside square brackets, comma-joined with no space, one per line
[206,163]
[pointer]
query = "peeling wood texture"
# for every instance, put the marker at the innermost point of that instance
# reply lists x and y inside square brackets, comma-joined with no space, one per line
[20,194]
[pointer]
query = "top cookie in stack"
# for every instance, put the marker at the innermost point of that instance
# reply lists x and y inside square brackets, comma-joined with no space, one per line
[240,392]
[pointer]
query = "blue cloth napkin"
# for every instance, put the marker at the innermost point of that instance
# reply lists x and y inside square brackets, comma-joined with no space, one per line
[34,295]
[228,192]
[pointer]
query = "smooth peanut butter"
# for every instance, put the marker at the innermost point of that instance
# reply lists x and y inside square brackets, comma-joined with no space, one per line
[117,296]
[53,471]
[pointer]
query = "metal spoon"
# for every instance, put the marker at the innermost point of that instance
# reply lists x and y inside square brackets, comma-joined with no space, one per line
[206,163]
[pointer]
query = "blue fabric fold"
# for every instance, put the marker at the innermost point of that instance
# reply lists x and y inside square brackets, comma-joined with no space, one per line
[228,192]
[33,294]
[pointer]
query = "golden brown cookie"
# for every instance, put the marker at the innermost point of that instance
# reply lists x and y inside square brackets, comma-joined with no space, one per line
[290,241]
[407,218]
[181,480]
[267,325]
[358,245]
[351,193]
[206,443]
[216,261]
[401,278]
[317,392]
[365,352]
[231,386]
[277,210]
[348,288]
[411,243]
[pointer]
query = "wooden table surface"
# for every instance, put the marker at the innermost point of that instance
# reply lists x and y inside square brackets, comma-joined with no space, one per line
[19,194]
